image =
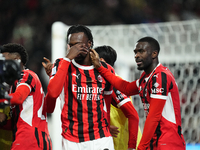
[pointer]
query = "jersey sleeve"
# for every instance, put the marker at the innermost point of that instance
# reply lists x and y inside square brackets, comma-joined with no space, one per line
[25,85]
[56,83]
[128,88]
[118,98]
[124,103]
[133,123]
[109,86]
[27,80]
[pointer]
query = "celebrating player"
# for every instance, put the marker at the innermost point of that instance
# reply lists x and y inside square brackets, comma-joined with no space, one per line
[82,90]
[159,94]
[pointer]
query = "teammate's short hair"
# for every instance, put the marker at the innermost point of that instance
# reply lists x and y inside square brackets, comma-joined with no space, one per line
[107,53]
[80,28]
[16,48]
[153,42]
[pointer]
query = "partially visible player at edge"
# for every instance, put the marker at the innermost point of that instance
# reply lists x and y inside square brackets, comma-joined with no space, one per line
[30,129]
[122,112]
[81,89]
[159,94]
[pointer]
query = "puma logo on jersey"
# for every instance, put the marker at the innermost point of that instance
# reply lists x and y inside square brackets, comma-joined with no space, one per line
[77,76]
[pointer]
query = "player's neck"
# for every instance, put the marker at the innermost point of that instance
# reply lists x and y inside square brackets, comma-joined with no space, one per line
[85,62]
[151,68]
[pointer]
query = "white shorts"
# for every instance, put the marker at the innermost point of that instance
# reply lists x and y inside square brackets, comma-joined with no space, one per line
[105,143]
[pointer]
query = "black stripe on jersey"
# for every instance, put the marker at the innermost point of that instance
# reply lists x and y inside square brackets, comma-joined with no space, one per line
[37,137]
[15,117]
[171,86]
[89,106]
[29,80]
[56,64]
[104,64]
[49,141]
[101,132]
[79,108]
[142,78]
[164,83]
[70,101]
[153,82]
[118,94]
[44,141]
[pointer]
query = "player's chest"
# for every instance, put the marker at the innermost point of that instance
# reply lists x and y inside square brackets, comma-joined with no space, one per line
[144,91]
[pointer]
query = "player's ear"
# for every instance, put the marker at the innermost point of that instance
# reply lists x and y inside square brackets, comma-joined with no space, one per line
[154,54]
[101,59]
[89,44]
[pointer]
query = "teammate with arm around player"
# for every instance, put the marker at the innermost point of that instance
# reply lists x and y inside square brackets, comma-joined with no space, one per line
[159,94]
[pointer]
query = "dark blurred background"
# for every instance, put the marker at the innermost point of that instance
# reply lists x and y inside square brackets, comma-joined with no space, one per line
[29,22]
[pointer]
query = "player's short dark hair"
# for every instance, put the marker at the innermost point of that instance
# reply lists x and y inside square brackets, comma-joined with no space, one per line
[80,28]
[152,42]
[16,48]
[107,53]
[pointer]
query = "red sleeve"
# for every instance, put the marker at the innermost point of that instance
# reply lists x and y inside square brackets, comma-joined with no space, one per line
[133,123]
[128,88]
[19,96]
[151,123]
[55,85]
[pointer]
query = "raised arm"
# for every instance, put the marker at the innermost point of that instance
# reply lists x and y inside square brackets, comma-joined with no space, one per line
[128,88]
[58,77]
[56,84]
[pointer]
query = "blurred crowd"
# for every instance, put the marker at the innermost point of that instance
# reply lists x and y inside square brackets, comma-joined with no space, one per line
[29,22]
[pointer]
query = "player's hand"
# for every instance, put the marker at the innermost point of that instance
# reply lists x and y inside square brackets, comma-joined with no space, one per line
[77,50]
[95,58]
[2,117]
[47,66]
[114,131]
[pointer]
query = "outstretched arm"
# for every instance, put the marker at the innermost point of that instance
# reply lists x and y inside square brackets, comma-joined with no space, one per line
[128,88]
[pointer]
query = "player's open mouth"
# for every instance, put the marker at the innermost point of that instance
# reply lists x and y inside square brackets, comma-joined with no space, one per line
[139,62]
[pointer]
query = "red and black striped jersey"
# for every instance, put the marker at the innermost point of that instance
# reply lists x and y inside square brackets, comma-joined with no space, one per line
[159,89]
[83,116]
[29,118]
[161,86]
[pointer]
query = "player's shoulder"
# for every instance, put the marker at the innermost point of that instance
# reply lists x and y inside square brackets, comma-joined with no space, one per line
[27,72]
[163,71]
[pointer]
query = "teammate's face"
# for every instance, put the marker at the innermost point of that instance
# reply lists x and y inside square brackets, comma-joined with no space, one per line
[76,38]
[143,55]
